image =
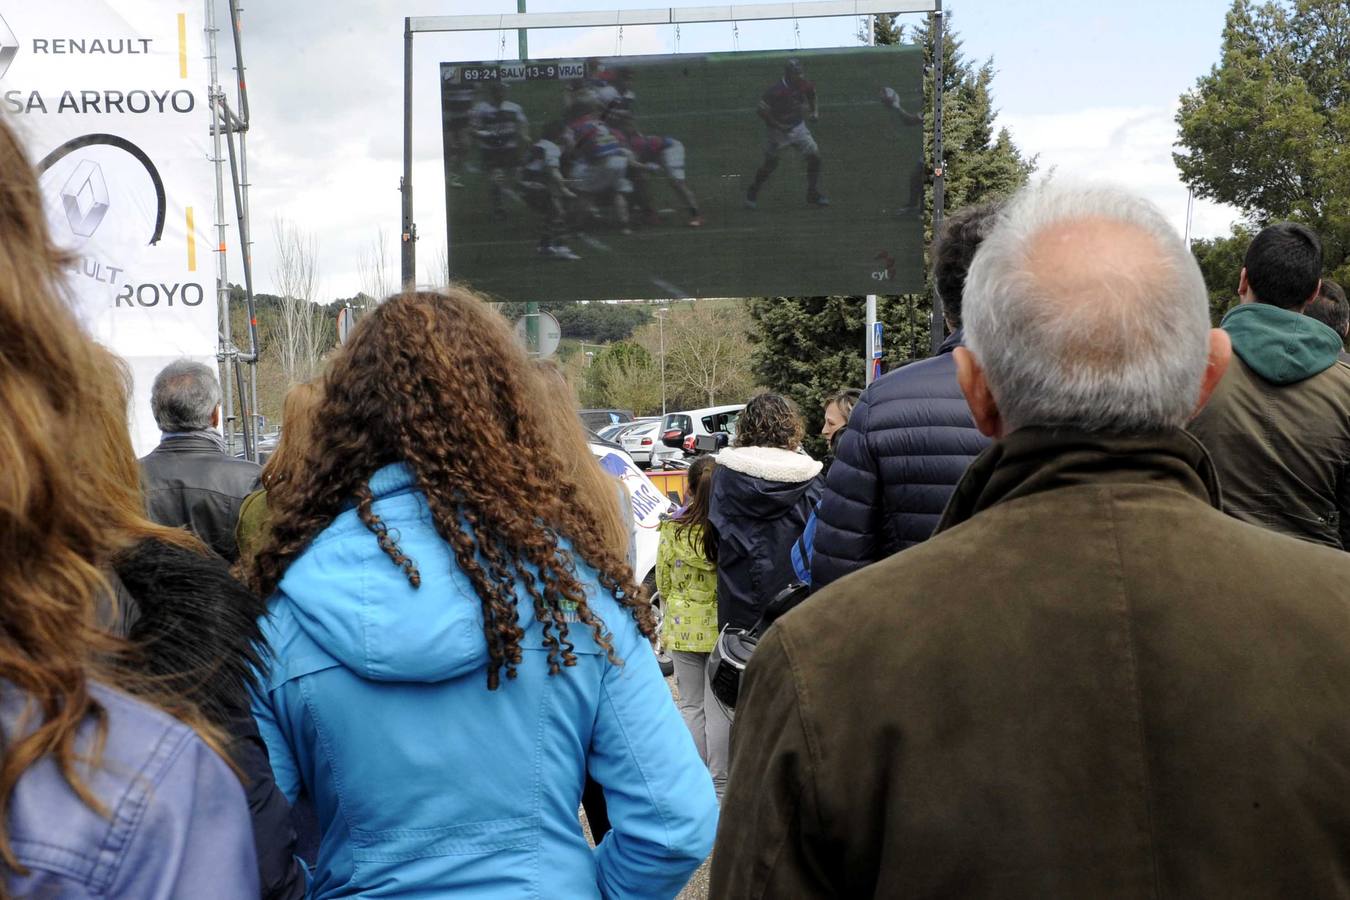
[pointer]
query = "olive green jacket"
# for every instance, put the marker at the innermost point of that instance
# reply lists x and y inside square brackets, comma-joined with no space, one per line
[254,524]
[1089,683]
[1278,425]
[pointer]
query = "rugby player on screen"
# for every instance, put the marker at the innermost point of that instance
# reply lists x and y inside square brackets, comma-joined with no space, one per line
[458,99]
[891,100]
[545,191]
[616,90]
[657,155]
[501,128]
[600,171]
[785,108]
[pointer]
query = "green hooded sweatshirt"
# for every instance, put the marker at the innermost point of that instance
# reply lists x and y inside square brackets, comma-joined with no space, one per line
[1280,345]
[1278,425]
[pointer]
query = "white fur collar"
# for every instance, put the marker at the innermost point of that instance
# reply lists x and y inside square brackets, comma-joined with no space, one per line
[770,463]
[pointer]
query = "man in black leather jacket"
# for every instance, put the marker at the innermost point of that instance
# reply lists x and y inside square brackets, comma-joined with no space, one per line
[188,479]
[909,439]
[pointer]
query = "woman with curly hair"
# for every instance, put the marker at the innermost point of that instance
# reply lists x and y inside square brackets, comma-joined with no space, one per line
[456,644]
[764,489]
[101,794]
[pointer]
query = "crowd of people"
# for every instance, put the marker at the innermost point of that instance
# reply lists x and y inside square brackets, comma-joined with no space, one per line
[1079,622]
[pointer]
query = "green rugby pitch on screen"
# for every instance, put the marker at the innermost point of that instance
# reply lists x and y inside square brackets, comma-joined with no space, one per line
[795,173]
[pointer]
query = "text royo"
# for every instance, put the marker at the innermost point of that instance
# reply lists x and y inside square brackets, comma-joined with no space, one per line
[94,46]
[149,294]
[103,102]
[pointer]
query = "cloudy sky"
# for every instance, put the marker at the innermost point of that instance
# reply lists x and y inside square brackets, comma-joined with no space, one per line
[1092,88]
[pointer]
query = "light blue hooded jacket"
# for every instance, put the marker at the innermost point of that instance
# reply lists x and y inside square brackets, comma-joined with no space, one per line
[427,784]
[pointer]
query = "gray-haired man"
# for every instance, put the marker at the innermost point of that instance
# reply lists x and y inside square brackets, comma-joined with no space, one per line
[1090,682]
[189,481]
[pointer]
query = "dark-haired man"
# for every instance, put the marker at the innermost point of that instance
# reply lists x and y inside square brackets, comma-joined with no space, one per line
[1278,425]
[908,440]
[1331,309]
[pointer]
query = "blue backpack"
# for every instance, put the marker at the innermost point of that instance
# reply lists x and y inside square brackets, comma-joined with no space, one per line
[802,547]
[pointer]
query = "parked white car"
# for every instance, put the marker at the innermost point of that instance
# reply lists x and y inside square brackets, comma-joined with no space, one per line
[678,426]
[640,441]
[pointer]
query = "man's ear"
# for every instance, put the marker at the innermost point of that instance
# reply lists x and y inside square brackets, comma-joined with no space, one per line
[1244,286]
[1220,355]
[215,417]
[979,398]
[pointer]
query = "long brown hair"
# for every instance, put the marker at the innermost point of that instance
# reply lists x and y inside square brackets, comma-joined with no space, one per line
[53,521]
[297,421]
[439,382]
[695,512]
[584,482]
[69,503]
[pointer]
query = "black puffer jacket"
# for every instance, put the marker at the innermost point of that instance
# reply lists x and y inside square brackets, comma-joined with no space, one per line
[761,498]
[190,483]
[196,630]
[907,444]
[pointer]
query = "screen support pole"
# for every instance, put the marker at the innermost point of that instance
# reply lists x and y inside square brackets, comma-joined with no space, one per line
[939,198]
[532,307]
[409,230]
[871,347]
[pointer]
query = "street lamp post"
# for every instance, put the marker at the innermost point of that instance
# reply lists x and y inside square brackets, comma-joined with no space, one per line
[661,329]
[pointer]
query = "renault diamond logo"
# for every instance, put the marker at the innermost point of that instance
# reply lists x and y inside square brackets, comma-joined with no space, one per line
[85,197]
[9,46]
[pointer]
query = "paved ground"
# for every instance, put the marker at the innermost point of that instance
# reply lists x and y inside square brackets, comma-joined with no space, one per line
[697,889]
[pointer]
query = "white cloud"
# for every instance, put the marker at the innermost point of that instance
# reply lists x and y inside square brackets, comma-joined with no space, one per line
[1131,146]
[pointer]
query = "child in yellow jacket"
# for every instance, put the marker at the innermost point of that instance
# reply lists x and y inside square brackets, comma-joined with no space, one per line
[686,576]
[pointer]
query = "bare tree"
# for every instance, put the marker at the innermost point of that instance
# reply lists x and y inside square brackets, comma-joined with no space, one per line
[707,351]
[300,323]
[375,271]
[437,275]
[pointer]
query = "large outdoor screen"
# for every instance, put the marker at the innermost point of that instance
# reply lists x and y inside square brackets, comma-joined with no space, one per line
[717,175]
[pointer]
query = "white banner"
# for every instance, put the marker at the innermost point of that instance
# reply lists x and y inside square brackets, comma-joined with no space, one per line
[110,97]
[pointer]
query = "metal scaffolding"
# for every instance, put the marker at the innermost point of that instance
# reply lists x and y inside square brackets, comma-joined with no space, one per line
[229,143]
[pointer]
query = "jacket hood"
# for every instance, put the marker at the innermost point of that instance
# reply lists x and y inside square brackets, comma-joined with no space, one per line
[1280,345]
[359,607]
[763,481]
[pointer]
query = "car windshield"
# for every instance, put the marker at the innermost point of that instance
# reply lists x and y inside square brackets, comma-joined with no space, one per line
[678,422]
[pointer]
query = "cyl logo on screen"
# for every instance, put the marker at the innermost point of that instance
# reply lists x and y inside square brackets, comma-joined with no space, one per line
[9,46]
[85,198]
